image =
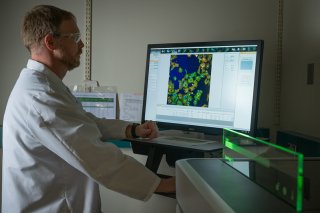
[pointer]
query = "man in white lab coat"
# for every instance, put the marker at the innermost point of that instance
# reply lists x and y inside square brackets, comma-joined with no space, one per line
[53,154]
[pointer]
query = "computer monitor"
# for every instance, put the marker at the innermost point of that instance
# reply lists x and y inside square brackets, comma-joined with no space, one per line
[203,86]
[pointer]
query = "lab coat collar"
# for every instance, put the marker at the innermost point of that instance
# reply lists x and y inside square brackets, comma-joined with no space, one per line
[39,67]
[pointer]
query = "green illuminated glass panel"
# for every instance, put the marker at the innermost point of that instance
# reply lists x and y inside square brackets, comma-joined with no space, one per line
[277,169]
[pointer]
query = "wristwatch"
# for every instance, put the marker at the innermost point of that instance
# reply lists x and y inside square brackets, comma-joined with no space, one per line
[133,130]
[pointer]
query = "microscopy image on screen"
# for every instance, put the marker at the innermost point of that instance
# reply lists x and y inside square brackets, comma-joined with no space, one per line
[189,80]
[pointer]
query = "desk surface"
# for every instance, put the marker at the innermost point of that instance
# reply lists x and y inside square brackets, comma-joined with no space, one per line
[195,144]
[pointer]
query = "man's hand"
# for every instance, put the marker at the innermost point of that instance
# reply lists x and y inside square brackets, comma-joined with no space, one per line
[148,129]
[167,185]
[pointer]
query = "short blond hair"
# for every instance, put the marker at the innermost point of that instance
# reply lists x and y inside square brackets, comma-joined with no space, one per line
[40,21]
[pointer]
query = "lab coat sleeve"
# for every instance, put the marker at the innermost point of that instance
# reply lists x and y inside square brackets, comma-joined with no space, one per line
[64,128]
[110,128]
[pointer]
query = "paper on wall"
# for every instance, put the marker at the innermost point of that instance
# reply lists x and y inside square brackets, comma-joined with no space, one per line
[101,104]
[130,107]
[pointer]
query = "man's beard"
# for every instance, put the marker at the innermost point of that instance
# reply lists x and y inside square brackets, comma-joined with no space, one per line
[70,63]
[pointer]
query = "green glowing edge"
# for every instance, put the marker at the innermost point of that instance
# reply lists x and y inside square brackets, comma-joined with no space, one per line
[261,141]
[247,153]
[265,162]
[300,183]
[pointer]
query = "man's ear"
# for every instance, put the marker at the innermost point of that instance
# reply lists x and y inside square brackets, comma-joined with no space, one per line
[49,42]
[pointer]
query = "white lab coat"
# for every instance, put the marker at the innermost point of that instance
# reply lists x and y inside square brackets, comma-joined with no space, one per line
[53,156]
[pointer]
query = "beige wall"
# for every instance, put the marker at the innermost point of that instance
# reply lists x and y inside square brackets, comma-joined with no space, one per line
[14,56]
[121,31]
[123,28]
[300,109]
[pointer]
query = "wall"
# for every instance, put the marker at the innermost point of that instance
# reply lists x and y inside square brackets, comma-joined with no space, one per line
[121,31]
[301,102]
[123,28]
[14,55]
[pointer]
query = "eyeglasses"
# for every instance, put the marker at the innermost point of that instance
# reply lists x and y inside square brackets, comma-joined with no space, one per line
[75,36]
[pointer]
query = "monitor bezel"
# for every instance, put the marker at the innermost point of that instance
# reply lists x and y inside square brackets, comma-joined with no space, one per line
[201,129]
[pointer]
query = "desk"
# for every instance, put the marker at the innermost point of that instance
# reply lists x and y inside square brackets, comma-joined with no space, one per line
[173,152]
[155,151]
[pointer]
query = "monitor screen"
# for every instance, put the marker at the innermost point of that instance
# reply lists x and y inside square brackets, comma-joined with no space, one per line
[203,86]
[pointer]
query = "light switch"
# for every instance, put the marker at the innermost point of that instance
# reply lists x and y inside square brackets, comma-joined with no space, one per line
[310,74]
